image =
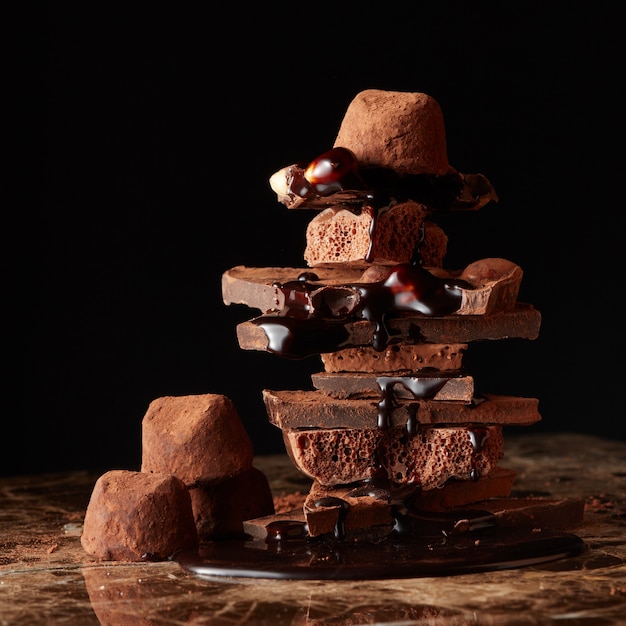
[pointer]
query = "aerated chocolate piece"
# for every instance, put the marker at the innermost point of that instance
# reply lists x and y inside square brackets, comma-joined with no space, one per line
[426,458]
[314,409]
[396,358]
[338,235]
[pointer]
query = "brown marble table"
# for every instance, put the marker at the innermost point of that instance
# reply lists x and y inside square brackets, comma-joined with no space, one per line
[46,577]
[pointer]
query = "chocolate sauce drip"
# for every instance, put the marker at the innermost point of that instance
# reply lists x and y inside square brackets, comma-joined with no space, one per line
[478,436]
[371,491]
[297,338]
[314,319]
[331,501]
[380,188]
[418,386]
[369,256]
[412,422]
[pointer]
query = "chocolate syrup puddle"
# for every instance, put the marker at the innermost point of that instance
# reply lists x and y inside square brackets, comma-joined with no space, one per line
[421,546]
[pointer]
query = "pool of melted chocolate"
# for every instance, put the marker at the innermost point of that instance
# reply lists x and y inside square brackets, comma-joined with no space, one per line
[435,545]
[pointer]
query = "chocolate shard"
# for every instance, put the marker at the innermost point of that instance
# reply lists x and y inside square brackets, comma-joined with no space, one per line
[300,409]
[366,513]
[494,286]
[348,512]
[259,287]
[278,526]
[537,513]
[458,493]
[449,385]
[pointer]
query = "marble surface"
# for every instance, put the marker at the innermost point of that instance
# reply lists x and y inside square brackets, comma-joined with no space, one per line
[46,577]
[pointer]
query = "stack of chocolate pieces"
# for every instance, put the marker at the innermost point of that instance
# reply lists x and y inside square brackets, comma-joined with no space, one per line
[392,427]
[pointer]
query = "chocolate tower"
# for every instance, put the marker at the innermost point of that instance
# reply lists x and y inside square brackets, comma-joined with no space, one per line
[402,451]
[393,426]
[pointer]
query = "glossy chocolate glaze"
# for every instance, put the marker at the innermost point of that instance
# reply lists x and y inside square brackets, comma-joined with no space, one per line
[335,178]
[420,546]
[311,322]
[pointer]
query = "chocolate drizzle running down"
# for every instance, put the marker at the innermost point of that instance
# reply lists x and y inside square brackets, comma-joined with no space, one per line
[314,318]
[419,386]
[478,436]
[344,507]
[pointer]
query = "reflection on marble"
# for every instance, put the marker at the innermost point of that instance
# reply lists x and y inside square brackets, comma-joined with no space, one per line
[46,578]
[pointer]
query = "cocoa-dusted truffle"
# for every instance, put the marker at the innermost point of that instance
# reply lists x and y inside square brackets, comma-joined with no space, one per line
[134,516]
[196,438]
[221,508]
[401,131]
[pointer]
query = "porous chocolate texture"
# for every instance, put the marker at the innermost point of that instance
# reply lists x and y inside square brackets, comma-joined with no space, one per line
[426,459]
[396,358]
[338,235]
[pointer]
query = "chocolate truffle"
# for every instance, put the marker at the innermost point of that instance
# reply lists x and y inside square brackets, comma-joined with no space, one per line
[196,438]
[133,516]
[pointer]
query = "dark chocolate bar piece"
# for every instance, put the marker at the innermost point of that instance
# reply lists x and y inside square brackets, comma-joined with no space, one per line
[294,338]
[315,409]
[450,386]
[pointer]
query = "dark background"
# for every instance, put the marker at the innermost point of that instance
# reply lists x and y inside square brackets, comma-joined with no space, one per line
[161,126]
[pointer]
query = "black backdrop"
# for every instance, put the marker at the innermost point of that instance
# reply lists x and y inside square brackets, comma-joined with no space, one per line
[162,124]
